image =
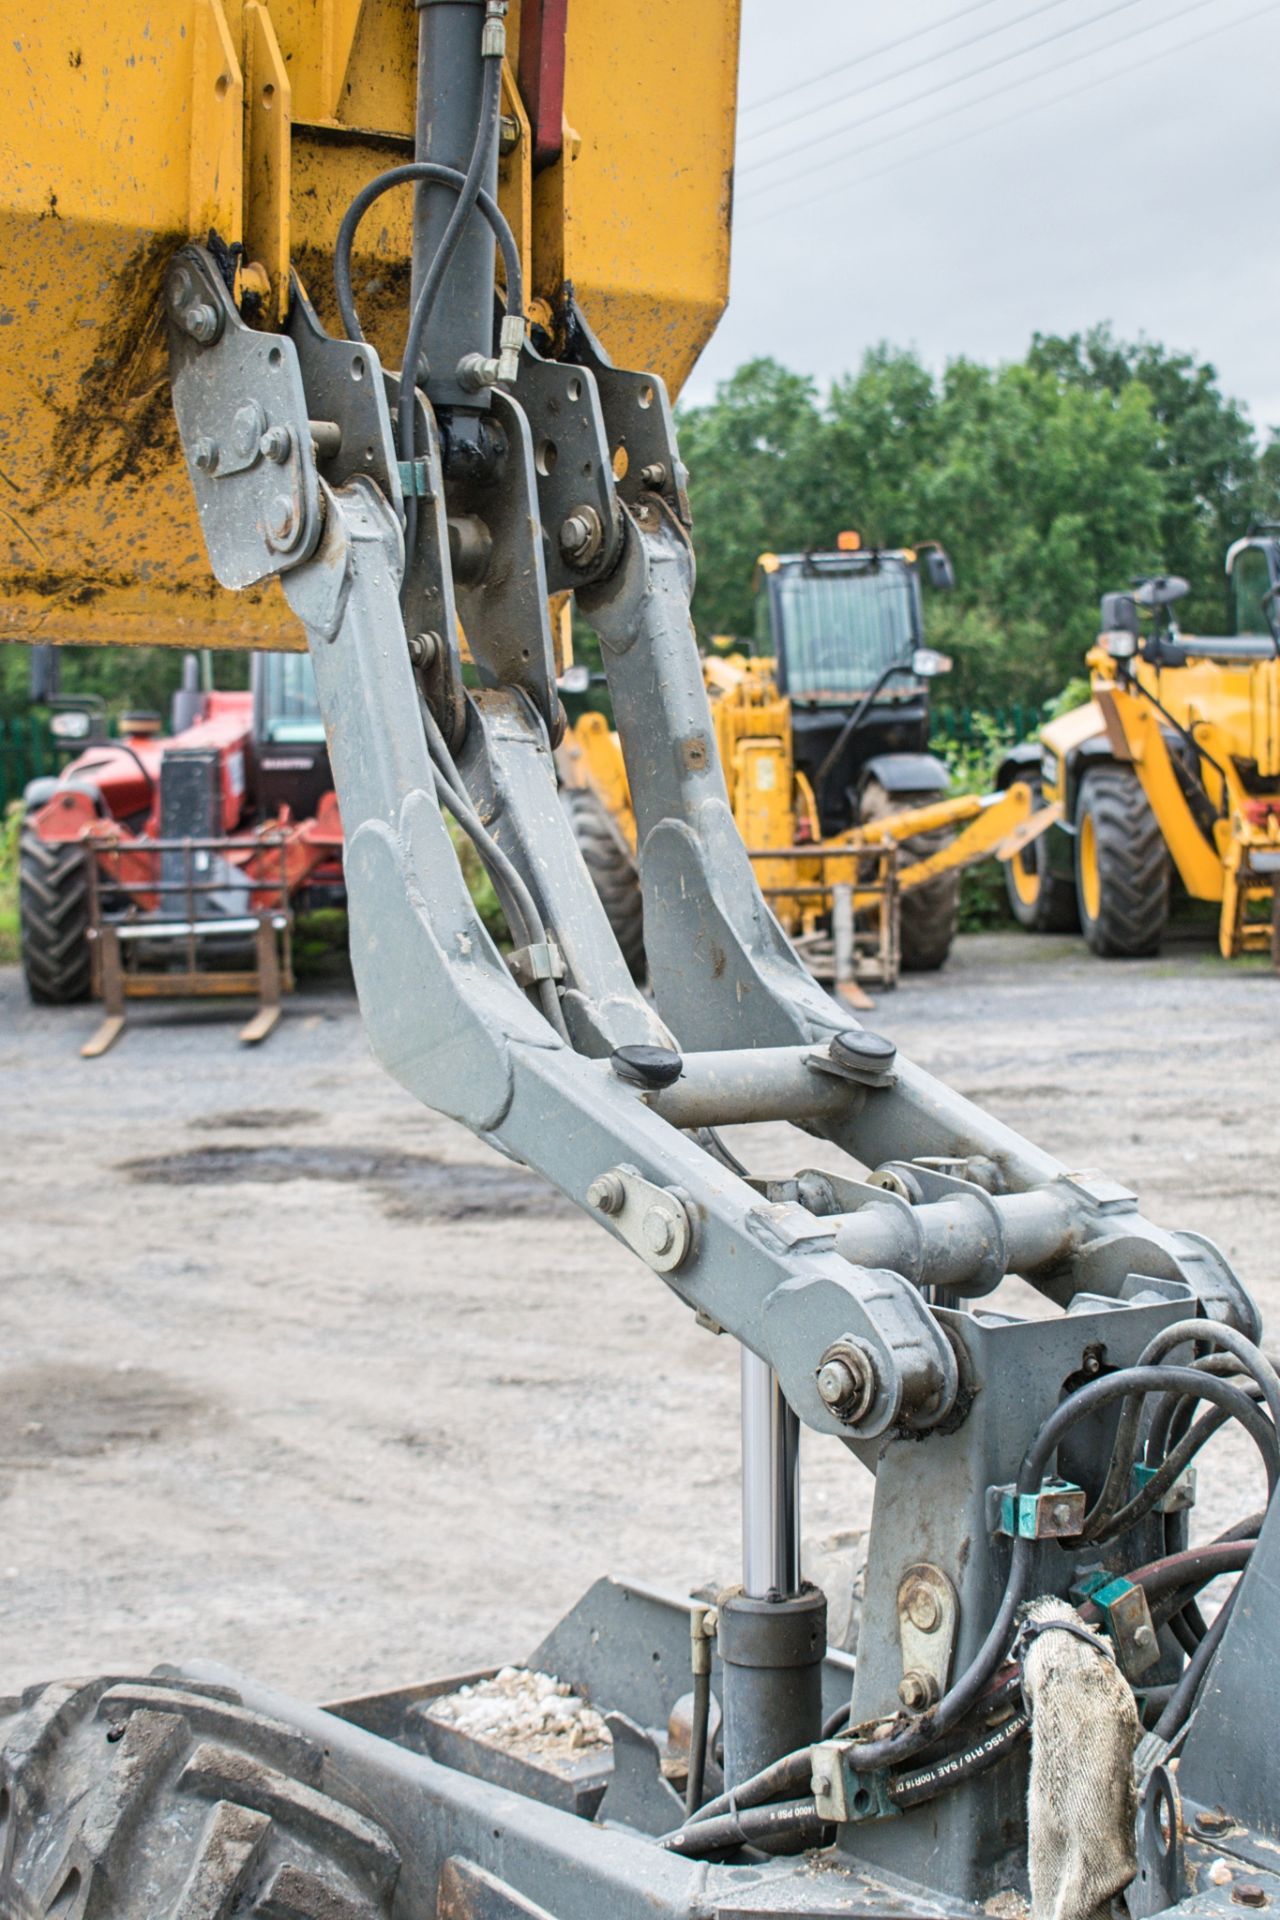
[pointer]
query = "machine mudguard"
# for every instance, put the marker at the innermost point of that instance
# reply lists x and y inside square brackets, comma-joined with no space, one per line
[908,773]
[1019,763]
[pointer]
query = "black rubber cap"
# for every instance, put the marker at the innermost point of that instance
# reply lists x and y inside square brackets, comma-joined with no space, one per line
[869,1051]
[650,1067]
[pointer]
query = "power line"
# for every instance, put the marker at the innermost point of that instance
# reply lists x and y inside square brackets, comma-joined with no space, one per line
[980,99]
[897,73]
[861,59]
[943,86]
[1037,106]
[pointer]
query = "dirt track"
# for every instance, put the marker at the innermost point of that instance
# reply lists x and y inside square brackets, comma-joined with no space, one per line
[296,1375]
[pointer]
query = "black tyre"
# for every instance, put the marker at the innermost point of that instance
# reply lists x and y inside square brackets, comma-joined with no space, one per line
[53,918]
[162,1798]
[927,915]
[1039,899]
[613,870]
[1122,866]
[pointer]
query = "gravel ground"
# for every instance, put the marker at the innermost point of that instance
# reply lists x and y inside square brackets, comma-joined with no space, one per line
[295,1375]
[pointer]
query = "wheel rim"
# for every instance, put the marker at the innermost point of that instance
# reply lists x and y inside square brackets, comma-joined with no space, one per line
[1026,876]
[1090,878]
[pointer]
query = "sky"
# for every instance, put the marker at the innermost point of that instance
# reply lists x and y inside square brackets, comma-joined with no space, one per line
[971,171]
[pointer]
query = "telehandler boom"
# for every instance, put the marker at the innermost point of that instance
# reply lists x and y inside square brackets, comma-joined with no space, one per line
[178,177]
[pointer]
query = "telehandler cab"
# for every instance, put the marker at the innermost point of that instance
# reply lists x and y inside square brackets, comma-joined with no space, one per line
[1031,1597]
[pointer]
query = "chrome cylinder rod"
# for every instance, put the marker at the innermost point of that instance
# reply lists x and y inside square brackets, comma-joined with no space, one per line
[770,1485]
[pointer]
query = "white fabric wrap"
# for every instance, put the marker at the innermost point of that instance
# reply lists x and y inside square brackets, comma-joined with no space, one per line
[1080,1802]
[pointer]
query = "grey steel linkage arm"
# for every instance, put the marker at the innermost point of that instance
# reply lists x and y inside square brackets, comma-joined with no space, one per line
[443,1012]
[725,977]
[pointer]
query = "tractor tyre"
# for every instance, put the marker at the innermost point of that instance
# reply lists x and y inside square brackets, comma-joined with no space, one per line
[53,918]
[613,871]
[1122,866]
[164,1797]
[928,915]
[1039,899]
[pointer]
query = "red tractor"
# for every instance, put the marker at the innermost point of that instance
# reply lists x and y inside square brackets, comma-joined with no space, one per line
[185,845]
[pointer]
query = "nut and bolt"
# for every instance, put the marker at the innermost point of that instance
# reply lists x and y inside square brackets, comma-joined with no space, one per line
[917,1691]
[424,649]
[847,1380]
[654,477]
[276,444]
[581,535]
[607,1193]
[835,1382]
[1249,1893]
[1212,1820]
[923,1608]
[205,454]
[201,321]
[659,1230]
[247,428]
[280,520]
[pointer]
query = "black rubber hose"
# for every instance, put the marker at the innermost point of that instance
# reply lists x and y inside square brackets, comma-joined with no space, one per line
[1183,1697]
[1124,1453]
[432,173]
[1260,1431]
[795,1822]
[698,1731]
[913,1789]
[433,279]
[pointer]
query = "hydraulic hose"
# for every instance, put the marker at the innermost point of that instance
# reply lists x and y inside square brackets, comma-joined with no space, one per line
[517,901]
[795,1823]
[434,174]
[433,280]
[1183,1697]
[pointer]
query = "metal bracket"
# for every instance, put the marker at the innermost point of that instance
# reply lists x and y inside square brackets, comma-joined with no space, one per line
[574,475]
[1181,1496]
[233,390]
[638,422]
[652,1220]
[1056,1512]
[541,962]
[343,384]
[928,1620]
[1126,1617]
[841,1794]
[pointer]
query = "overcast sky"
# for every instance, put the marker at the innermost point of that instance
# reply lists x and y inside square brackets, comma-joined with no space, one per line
[1122,166]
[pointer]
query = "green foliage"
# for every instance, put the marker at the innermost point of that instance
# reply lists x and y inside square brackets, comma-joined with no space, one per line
[10,828]
[125,677]
[1050,480]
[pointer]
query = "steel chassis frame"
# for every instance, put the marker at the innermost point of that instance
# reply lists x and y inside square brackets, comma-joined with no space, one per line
[882,1271]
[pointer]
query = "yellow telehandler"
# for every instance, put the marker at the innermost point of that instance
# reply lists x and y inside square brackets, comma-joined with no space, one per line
[1172,768]
[823,733]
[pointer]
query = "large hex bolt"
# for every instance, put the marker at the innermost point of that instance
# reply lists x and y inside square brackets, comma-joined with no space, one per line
[581,536]
[918,1691]
[847,1380]
[247,429]
[201,321]
[607,1193]
[281,521]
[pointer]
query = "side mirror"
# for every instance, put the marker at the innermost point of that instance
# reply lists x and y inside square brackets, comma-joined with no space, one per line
[927,663]
[1119,613]
[938,570]
[575,679]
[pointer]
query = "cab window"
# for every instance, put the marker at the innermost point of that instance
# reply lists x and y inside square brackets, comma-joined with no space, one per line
[1250,584]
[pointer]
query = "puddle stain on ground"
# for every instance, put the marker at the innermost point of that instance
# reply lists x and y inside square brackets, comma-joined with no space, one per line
[50,1412]
[255,1119]
[409,1186]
